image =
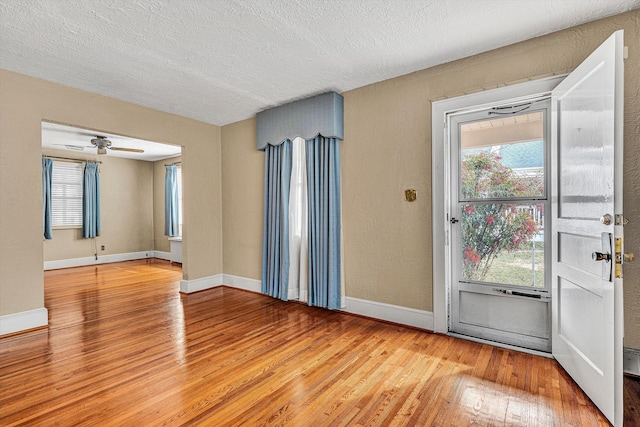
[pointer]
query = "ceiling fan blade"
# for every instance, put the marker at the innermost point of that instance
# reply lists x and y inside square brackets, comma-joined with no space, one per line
[74,131]
[72,147]
[133,150]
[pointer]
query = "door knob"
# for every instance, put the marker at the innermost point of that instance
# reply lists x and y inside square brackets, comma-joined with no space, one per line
[628,257]
[606,219]
[599,256]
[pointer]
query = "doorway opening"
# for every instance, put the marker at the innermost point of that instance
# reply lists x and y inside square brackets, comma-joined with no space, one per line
[131,193]
[441,114]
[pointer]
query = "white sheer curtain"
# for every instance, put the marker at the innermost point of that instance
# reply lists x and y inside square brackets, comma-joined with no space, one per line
[298,242]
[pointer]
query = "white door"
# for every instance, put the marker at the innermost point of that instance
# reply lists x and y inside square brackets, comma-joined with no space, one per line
[587,322]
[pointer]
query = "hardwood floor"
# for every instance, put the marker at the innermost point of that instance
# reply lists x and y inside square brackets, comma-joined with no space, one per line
[124,348]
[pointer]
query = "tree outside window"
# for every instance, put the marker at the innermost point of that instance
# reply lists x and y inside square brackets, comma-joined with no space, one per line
[492,228]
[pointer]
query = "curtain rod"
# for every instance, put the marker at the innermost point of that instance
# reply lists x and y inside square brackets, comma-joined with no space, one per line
[173,164]
[69,159]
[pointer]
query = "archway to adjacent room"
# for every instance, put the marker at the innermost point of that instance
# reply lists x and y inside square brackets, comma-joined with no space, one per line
[132,190]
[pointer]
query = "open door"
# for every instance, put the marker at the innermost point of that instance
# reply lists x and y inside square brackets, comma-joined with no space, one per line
[586,214]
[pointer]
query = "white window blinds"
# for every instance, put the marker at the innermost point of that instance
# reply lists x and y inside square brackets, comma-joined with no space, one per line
[66,194]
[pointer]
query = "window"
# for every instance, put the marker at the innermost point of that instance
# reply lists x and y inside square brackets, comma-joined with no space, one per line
[179,179]
[298,191]
[502,196]
[66,194]
[298,246]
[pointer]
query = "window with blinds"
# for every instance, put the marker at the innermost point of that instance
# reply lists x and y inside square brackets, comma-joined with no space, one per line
[66,194]
[179,180]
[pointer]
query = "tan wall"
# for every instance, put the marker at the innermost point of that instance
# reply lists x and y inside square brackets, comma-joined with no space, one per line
[24,103]
[126,208]
[387,149]
[161,242]
[242,200]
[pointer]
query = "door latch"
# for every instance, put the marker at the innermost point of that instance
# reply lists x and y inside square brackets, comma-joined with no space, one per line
[454,220]
[621,257]
[605,256]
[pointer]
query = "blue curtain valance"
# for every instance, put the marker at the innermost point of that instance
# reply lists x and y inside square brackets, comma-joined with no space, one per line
[306,118]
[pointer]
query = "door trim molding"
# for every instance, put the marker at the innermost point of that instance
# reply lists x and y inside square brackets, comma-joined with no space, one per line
[439,175]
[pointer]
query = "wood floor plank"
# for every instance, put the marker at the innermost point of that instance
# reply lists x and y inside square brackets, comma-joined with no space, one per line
[125,348]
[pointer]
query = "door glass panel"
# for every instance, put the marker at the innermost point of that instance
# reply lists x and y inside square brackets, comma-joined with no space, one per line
[584,184]
[503,243]
[502,158]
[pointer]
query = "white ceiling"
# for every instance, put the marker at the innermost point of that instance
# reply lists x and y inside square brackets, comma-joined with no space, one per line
[61,137]
[221,61]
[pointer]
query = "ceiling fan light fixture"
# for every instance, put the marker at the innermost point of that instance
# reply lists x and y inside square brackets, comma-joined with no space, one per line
[101,143]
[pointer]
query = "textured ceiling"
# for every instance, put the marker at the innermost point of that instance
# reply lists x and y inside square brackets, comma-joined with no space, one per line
[221,61]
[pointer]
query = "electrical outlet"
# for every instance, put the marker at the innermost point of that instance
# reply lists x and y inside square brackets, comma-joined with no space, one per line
[102,248]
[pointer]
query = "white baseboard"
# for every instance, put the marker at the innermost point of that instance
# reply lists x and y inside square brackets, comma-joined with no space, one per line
[102,259]
[631,364]
[195,285]
[189,286]
[162,255]
[391,313]
[243,283]
[23,320]
[376,310]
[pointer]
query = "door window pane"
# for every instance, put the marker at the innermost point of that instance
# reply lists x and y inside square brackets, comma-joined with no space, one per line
[503,243]
[502,158]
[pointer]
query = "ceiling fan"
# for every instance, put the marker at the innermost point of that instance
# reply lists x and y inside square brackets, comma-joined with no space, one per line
[102,144]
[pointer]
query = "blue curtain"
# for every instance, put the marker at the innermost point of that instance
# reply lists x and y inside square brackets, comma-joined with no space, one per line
[323,193]
[47,166]
[275,244]
[91,201]
[171,226]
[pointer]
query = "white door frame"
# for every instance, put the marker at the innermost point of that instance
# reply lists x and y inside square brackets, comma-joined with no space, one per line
[440,177]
